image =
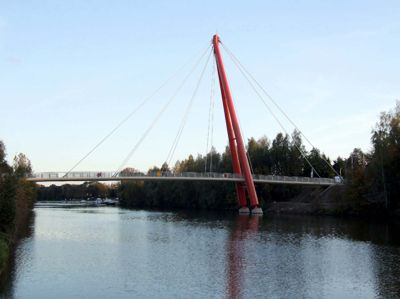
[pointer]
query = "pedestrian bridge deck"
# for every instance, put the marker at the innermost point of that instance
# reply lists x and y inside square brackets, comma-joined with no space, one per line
[169,176]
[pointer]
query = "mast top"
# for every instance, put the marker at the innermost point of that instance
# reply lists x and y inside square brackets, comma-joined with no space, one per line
[215,39]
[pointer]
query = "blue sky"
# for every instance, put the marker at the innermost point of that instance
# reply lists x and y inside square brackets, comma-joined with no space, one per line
[71,70]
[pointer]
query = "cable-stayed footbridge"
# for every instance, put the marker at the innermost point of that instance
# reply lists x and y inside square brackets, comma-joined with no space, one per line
[242,175]
[105,176]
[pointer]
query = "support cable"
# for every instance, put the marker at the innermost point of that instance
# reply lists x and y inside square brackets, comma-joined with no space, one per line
[161,112]
[247,151]
[212,123]
[234,58]
[136,109]
[273,114]
[210,117]
[186,115]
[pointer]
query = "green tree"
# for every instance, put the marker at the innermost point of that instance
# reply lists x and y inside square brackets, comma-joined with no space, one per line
[7,192]
[356,180]
[22,166]
[226,161]
[384,167]
[2,152]
[4,167]
[340,166]
[320,163]
[280,152]
[258,152]
[296,159]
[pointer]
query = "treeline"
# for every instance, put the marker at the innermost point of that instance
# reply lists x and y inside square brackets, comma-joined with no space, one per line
[372,179]
[17,197]
[285,155]
[74,192]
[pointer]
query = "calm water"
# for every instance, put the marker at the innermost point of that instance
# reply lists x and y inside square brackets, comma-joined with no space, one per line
[116,253]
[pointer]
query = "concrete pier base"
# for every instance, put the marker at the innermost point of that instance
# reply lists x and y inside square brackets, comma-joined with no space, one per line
[257,211]
[244,210]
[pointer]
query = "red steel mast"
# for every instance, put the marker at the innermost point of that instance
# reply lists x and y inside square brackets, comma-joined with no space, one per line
[238,152]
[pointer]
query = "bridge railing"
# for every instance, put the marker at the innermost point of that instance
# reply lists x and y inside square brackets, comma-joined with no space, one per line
[94,174]
[194,174]
[292,179]
[72,175]
[44,175]
[109,175]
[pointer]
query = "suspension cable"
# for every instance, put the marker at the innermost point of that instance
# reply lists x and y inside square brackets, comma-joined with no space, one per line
[212,120]
[186,115]
[234,58]
[161,112]
[136,109]
[272,113]
[245,138]
[210,115]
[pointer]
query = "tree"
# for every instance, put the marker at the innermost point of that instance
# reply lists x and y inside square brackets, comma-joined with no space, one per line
[259,155]
[320,164]
[164,167]
[384,166]
[280,155]
[226,161]
[340,166]
[7,203]
[128,171]
[356,180]
[22,166]
[97,190]
[296,159]
[4,167]
[2,152]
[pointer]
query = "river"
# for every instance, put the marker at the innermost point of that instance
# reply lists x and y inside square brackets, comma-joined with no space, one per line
[109,252]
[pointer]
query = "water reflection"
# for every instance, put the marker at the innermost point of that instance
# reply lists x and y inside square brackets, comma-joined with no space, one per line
[7,279]
[308,257]
[116,253]
[245,227]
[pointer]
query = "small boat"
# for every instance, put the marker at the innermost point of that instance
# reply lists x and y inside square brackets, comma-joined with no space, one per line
[98,201]
[110,202]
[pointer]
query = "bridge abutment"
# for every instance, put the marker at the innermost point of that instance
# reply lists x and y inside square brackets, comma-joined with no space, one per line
[244,210]
[247,211]
[257,211]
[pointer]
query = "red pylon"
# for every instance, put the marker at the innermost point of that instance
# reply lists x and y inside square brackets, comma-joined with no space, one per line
[238,152]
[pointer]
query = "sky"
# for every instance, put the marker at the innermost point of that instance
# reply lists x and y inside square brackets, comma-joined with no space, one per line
[70,71]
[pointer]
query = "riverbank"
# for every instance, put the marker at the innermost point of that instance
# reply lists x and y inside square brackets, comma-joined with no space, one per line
[4,253]
[304,200]
[331,201]
[19,211]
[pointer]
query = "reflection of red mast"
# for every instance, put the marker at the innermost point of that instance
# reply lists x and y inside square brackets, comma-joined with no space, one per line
[245,228]
[238,152]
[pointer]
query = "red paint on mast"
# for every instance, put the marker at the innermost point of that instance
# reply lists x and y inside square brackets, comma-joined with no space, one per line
[240,188]
[236,143]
